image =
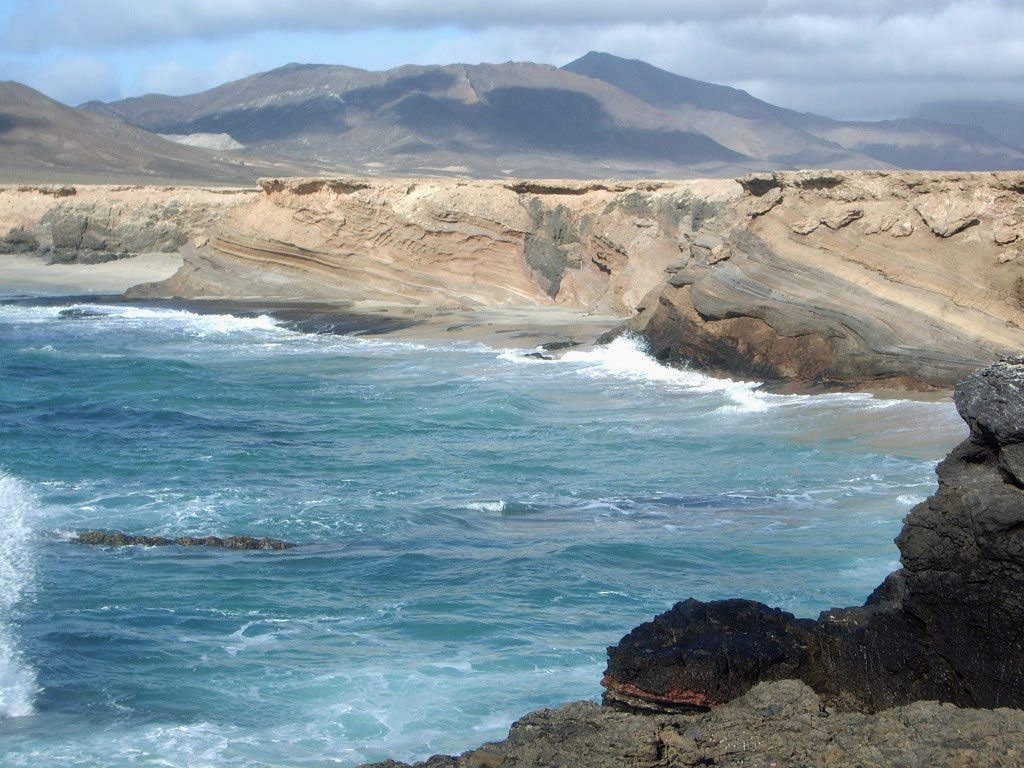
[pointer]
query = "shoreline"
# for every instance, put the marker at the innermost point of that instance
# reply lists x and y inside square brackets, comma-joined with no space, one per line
[27,279]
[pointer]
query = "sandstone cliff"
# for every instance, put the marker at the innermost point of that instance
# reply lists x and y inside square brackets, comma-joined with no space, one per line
[90,223]
[910,279]
[850,277]
[798,279]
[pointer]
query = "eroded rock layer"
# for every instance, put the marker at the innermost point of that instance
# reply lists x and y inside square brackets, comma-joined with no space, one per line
[946,627]
[800,279]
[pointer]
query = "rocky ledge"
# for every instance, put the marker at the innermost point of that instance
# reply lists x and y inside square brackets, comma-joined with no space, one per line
[928,672]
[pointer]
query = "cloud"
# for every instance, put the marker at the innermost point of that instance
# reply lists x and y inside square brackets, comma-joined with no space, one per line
[873,58]
[100,23]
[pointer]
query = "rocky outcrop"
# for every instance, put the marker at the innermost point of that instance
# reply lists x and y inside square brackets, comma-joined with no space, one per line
[90,224]
[599,246]
[775,724]
[833,278]
[118,539]
[945,627]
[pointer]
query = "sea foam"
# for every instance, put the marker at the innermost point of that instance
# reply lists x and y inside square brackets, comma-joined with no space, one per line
[628,357]
[17,679]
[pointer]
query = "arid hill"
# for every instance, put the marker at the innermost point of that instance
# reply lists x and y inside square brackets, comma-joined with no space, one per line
[600,116]
[44,142]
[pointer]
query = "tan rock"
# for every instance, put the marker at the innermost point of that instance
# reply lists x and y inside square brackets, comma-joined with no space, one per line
[946,216]
[1004,235]
[806,226]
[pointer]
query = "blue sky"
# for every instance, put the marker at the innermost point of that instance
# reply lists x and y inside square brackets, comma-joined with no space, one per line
[870,59]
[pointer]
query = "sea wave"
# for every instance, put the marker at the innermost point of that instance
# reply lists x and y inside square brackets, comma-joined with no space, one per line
[18,685]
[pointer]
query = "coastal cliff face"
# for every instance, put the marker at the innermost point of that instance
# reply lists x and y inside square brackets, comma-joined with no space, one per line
[828,278]
[594,246]
[800,279]
[86,224]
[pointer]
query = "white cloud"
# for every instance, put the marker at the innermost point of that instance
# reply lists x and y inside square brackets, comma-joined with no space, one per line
[870,58]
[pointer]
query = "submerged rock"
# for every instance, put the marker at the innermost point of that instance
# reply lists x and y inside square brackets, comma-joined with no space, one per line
[947,626]
[775,724]
[118,539]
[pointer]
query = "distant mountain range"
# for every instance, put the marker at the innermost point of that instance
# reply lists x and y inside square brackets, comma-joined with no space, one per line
[599,116]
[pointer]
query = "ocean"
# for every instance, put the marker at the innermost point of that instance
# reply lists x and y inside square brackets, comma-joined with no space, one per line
[474,528]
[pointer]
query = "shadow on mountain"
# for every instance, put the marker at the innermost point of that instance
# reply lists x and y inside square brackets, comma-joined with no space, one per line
[552,120]
[319,115]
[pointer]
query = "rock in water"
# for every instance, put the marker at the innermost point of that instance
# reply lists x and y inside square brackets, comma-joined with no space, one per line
[118,539]
[948,626]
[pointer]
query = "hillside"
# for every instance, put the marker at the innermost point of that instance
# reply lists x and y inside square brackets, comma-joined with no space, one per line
[600,116]
[46,142]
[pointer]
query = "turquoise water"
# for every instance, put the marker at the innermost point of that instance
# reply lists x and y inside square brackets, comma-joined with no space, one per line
[475,526]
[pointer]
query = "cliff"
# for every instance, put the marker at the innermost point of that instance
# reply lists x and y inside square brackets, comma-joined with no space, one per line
[798,279]
[802,279]
[95,223]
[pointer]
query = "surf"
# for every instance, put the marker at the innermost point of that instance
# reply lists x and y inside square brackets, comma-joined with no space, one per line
[18,686]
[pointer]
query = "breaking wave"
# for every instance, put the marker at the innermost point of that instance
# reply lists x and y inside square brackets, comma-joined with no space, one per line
[17,679]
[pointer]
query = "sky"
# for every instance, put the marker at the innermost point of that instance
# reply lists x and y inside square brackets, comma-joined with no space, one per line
[848,59]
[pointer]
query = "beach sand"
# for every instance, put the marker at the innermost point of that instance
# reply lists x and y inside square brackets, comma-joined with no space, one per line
[27,275]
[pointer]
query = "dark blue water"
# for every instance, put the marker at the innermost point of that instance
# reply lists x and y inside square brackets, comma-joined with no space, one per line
[476,527]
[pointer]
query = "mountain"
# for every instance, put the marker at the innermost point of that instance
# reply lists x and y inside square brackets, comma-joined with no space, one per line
[599,116]
[1003,119]
[756,128]
[517,119]
[44,141]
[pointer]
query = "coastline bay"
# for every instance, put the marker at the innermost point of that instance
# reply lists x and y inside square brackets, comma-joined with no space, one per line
[475,526]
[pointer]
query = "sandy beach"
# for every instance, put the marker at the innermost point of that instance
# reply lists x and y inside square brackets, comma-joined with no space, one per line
[27,275]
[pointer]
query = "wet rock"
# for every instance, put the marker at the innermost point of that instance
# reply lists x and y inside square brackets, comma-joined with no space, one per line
[945,627]
[554,346]
[118,539]
[538,356]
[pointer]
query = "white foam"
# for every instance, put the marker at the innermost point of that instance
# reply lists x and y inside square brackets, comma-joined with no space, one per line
[17,679]
[627,358]
[199,324]
[486,506]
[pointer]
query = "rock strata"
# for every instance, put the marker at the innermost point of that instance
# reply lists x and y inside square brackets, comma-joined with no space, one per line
[775,724]
[804,280]
[118,539]
[946,627]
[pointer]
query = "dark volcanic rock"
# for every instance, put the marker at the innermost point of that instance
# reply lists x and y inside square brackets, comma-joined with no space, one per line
[118,539]
[947,626]
[775,724]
